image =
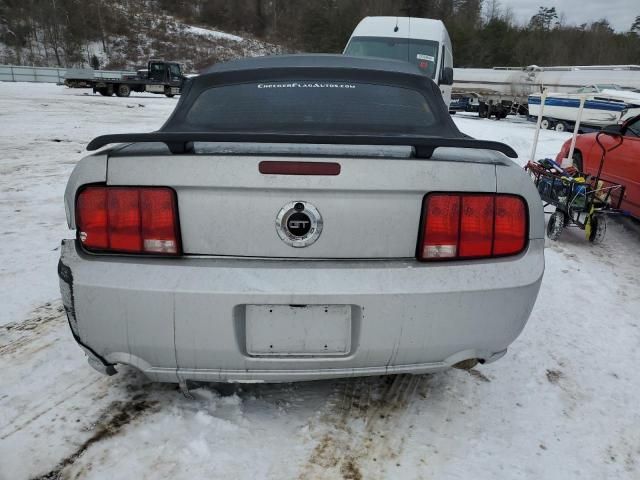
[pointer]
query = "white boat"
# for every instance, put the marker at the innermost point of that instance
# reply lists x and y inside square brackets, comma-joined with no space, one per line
[605,104]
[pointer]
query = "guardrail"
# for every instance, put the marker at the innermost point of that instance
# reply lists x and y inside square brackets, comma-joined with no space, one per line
[13,73]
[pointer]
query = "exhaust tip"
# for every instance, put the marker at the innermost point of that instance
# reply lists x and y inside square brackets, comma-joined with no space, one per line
[467,364]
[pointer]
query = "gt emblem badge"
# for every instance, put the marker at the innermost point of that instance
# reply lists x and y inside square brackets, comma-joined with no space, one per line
[299,224]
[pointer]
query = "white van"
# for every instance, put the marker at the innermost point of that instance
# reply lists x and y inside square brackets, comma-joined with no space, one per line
[421,41]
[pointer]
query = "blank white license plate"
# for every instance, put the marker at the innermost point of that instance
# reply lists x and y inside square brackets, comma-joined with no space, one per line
[283,330]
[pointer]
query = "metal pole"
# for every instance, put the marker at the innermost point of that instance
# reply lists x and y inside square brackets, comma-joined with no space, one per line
[543,97]
[569,160]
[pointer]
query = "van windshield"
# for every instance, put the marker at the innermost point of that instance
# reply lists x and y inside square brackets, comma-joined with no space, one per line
[422,53]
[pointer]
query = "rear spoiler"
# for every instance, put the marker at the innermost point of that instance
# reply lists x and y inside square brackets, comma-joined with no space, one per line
[182,142]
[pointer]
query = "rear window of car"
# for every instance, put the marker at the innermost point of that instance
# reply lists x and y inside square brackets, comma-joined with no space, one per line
[314,107]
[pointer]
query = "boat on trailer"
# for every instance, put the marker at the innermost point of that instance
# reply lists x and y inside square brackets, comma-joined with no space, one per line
[604,105]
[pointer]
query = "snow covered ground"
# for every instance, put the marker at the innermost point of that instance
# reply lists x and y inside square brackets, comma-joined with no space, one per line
[562,404]
[211,33]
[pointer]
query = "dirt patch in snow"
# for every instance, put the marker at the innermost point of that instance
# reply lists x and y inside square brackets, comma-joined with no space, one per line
[479,375]
[350,470]
[364,427]
[40,316]
[15,336]
[115,417]
[554,376]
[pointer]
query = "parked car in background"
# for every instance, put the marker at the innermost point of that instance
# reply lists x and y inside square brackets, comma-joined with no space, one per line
[421,41]
[464,103]
[297,218]
[621,165]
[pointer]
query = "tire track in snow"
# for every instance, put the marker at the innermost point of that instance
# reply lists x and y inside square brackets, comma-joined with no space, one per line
[363,433]
[114,418]
[25,339]
[17,335]
[50,406]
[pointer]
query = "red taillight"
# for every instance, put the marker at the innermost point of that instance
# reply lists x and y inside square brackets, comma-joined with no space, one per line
[470,225]
[476,226]
[159,220]
[123,208]
[91,213]
[128,220]
[441,231]
[510,225]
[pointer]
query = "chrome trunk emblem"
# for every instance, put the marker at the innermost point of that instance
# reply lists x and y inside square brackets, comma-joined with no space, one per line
[299,224]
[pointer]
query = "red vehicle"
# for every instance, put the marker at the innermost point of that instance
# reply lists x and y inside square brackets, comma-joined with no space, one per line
[621,165]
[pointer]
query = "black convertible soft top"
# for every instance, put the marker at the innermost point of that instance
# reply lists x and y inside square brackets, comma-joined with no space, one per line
[179,133]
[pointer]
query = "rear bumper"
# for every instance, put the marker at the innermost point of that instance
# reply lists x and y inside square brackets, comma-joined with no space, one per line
[184,319]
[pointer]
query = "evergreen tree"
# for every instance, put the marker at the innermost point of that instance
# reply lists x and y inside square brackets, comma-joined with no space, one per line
[635,26]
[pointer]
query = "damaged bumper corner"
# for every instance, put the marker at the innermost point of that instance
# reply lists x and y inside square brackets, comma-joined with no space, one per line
[98,363]
[66,290]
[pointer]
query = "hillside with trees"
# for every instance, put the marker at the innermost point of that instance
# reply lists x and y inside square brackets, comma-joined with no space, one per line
[122,33]
[112,34]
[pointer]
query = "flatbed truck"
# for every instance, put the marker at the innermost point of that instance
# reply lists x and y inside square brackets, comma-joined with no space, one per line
[159,77]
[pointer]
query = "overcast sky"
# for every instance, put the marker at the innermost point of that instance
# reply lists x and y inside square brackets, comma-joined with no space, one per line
[620,13]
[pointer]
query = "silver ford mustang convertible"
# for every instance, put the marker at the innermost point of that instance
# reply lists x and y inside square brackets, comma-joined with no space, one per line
[299,218]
